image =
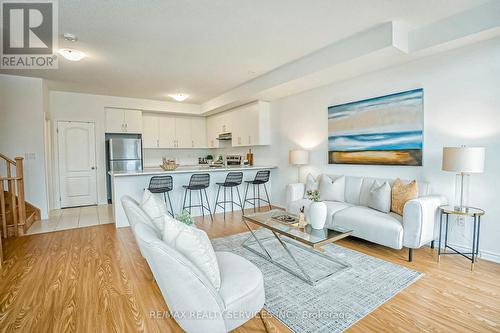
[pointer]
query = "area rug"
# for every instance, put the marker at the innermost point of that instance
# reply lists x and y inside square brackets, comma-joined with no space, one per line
[334,304]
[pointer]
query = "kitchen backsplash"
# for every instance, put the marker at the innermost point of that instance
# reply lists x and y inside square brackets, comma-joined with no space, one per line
[152,157]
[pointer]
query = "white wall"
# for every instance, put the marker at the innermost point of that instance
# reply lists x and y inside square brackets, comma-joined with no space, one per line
[22,131]
[87,107]
[462,106]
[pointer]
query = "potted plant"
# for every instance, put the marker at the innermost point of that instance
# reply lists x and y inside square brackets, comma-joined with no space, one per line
[185,218]
[317,210]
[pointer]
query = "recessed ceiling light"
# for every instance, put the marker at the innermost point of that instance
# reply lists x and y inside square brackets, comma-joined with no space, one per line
[70,37]
[179,97]
[71,54]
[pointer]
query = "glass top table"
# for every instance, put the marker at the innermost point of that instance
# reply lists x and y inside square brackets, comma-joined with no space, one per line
[312,240]
[309,236]
[455,210]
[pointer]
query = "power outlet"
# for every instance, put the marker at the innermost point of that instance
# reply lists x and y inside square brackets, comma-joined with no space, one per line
[461,221]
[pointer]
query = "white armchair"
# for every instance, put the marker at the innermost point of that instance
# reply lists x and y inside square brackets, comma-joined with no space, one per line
[193,301]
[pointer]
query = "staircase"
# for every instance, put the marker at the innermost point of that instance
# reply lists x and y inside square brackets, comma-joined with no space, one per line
[16,215]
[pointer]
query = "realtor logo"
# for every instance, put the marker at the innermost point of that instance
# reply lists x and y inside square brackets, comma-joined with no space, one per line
[29,34]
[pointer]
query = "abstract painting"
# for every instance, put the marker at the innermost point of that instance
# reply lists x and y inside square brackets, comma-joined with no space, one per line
[386,130]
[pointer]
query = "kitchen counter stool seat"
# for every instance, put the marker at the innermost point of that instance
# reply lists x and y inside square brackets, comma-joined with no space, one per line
[198,182]
[162,184]
[233,179]
[261,178]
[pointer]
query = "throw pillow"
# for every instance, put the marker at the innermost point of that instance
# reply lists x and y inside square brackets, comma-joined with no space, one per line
[402,193]
[332,189]
[194,244]
[380,197]
[311,184]
[154,206]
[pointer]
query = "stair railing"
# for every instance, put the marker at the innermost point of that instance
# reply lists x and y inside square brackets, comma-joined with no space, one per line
[15,193]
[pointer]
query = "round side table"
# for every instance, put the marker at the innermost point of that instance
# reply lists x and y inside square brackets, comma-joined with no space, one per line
[475,214]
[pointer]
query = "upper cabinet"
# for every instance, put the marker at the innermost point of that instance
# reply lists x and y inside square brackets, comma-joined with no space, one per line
[199,132]
[249,125]
[167,131]
[123,121]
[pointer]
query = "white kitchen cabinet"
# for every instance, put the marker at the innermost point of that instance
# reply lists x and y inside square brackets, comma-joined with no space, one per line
[213,131]
[133,121]
[225,122]
[167,132]
[251,125]
[123,121]
[199,132]
[150,131]
[183,132]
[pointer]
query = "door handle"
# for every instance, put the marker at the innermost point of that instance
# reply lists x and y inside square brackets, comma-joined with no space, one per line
[93,168]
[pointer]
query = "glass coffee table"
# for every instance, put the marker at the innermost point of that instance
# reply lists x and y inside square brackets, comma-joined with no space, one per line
[307,239]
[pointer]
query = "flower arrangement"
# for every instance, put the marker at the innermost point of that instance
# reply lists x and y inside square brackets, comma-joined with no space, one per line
[313,195]
[185,218]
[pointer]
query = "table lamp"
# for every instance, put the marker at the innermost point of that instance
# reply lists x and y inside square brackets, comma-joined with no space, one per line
[464,161]
[299,157]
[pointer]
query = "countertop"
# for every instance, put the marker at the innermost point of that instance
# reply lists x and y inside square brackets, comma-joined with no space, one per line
[187,169]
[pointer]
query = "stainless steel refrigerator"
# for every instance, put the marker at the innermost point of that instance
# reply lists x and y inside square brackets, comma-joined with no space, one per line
[124,154]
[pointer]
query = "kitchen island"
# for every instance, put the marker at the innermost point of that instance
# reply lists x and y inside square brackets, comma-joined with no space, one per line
[133,183]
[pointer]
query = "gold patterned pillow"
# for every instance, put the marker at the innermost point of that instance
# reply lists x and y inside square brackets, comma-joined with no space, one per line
[401,193]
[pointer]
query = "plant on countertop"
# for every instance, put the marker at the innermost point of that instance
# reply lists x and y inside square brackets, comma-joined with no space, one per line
[185,218]
[313,195]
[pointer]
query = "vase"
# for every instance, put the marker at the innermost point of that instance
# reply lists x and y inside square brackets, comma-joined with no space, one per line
[317,215]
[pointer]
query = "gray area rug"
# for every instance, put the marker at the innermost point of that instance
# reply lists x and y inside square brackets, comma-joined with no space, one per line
[334,304]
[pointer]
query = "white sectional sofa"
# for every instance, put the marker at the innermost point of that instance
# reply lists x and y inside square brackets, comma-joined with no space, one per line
[417,226]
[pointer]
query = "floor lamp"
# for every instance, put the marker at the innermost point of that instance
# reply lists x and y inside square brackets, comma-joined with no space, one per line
[464,161]
[299,157]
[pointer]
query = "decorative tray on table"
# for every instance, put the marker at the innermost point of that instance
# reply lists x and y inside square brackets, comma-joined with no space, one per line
[286,219]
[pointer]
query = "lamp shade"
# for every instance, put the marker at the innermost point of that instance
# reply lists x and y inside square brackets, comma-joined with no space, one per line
[299,157]
[463,159]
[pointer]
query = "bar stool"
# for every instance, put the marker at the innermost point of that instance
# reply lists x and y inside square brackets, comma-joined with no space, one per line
[198,182]
[261,178]
[162,184]
[233,179]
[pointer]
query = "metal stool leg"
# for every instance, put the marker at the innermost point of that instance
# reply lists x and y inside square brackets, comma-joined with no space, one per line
[267,195]
[216,200]
[239,198]
[258,194]
[170,203]
[246,196]
[232,200]
[254,208]
[208,205]
[190,202]
[184,202]
[224,203]
[201,203]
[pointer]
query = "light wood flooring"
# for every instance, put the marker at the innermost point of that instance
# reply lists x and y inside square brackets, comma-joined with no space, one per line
[94,279]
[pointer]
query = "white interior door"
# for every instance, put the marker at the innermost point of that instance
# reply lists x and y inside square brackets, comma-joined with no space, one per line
[77,163]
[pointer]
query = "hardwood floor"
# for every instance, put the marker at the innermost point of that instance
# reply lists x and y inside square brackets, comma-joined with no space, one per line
[95,280]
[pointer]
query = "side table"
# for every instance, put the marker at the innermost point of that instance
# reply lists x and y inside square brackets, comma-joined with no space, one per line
[472,212]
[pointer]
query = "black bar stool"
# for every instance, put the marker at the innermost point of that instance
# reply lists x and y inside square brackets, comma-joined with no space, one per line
[162,184]
[261,178]
[233,179]
[198,182]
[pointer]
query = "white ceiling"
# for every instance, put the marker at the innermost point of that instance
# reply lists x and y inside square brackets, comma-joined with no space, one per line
[149,49]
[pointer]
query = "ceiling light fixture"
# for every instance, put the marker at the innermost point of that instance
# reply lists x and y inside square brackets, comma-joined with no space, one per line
[179,97]
[70,37]
[71,54]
